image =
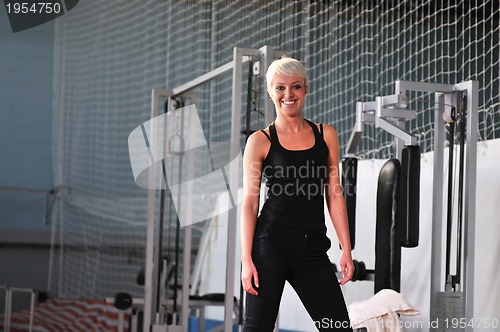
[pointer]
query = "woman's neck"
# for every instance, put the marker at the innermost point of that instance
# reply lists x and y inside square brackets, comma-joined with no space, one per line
[290,124]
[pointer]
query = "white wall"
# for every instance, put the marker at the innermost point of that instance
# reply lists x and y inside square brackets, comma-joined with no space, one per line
[415,270]
[26,61]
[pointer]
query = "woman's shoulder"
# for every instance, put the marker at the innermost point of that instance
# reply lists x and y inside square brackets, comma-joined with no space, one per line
[328,130]
[329,135]
[258,143]
[260,136]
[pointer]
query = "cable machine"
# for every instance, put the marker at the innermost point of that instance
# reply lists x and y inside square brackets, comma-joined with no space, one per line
[153,283]
[456,105]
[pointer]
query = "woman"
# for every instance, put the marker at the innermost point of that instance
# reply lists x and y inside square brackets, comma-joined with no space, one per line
[288,241]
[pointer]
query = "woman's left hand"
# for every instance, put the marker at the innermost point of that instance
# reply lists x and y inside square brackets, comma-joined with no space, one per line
[346,267]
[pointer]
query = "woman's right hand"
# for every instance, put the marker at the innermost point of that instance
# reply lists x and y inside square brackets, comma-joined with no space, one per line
[249,277]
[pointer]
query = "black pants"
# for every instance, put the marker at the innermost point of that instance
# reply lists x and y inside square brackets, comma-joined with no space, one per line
[280,254]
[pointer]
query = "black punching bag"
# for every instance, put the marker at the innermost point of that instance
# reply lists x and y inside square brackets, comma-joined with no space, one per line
[409,198]
[387,242]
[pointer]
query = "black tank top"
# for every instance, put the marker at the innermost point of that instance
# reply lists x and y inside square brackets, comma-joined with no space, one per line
[295,183]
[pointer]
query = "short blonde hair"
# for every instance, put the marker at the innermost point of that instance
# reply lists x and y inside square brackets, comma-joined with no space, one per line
[285,66]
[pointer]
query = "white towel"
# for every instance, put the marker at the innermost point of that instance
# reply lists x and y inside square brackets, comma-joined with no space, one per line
[380,313]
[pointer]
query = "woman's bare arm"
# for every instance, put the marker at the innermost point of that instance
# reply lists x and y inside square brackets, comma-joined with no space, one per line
[336,204]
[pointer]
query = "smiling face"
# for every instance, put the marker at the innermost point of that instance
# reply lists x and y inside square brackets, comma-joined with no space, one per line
[288,94]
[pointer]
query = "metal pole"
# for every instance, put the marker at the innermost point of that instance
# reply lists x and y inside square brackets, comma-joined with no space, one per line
[437,205]
[150,268]
[233,183]
[472,88]
[204,78]
[152,254]
[186,263]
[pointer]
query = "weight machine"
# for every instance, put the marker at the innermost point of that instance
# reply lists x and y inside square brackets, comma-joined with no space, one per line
[153,317]
[452,296]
